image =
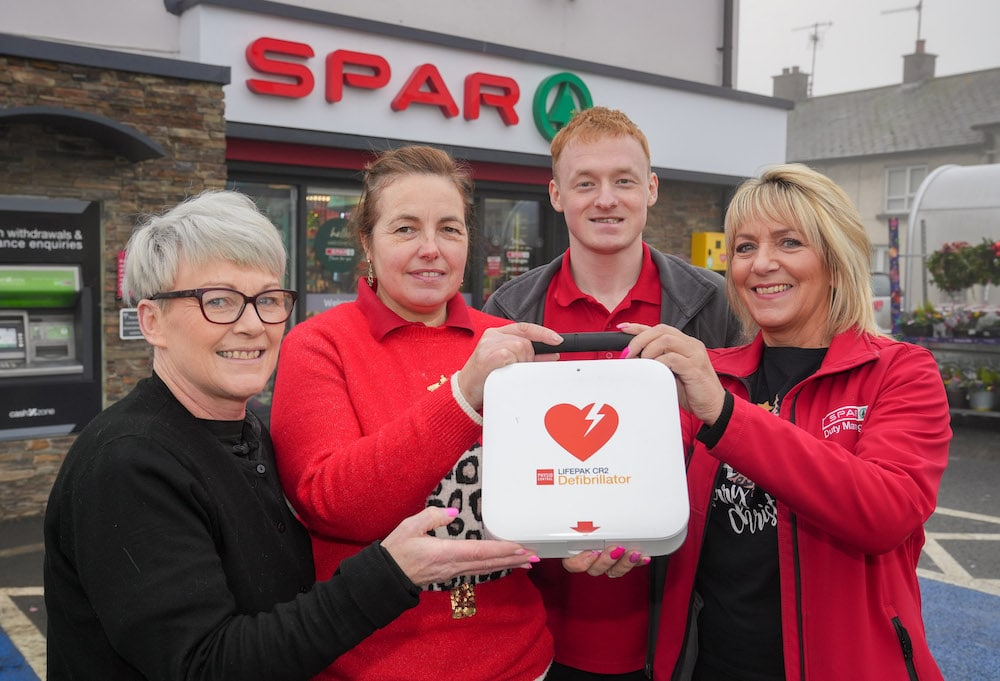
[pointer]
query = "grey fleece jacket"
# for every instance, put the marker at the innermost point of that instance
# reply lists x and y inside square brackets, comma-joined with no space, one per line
[693,299]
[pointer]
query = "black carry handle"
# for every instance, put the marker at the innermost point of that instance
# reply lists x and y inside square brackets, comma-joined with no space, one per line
[585,342]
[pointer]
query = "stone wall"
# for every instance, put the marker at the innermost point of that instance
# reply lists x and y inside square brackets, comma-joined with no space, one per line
[186,118]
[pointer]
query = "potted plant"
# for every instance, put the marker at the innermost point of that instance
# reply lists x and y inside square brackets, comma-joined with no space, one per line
[954,385]
[920,322]
[984,260]
[952,267]
[982,386]
[962,322]
[957,322]
[988,325]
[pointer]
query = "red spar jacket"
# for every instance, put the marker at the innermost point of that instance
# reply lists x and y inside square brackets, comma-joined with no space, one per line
[854,461]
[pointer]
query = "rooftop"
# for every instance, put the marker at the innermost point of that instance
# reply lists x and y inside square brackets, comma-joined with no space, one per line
[941,113]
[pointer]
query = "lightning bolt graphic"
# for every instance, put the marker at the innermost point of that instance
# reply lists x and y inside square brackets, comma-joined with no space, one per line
[594,416]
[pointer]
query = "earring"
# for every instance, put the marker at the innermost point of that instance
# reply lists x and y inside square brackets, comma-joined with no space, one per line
[371,275]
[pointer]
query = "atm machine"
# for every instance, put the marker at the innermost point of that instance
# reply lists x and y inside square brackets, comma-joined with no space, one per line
[47,373]
[51,280]
[38,323]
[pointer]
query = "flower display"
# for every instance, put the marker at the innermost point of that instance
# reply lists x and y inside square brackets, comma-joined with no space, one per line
[961,321]
[974,384]
[986,262]
[952,267]
[957,265]
[951,321]
[921,321]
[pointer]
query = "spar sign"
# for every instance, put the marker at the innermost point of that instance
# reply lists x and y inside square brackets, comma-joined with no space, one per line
[292,70]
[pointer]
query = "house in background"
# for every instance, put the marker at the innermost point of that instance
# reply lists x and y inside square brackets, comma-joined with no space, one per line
[879,144]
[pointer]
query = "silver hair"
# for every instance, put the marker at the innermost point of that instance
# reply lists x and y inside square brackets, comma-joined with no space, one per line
[214,226]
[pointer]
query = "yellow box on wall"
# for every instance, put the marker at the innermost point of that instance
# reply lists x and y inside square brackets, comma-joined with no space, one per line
[708,249]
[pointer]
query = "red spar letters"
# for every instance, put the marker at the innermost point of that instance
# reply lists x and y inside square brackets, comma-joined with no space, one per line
[284,65]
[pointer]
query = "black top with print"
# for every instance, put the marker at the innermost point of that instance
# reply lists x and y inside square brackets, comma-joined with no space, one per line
[739,628]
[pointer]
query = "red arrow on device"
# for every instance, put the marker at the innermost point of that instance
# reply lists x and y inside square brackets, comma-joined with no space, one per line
[584,526]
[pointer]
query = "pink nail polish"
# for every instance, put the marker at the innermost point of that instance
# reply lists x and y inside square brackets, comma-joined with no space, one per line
[634,557]
[534,559]
[453,512]
[624,354]
[647,560]
[617,553]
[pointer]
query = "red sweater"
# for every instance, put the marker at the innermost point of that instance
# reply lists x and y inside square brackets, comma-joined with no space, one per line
[363,436]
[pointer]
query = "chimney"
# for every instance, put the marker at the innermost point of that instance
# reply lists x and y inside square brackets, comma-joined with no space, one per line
[919,66]
[791,84]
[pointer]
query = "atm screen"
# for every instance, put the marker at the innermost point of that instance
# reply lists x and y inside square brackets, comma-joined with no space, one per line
[8,336]
[12,336]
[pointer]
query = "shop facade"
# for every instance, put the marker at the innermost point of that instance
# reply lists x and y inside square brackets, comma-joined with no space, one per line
[89,141]
[288,106]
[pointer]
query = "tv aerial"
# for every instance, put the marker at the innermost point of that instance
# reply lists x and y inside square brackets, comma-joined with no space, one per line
[814,39]
[919,8]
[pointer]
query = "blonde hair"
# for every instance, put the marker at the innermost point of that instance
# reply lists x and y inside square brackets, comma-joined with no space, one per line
[797,196]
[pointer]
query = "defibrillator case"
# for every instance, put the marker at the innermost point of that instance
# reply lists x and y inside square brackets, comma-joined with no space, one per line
[582,455]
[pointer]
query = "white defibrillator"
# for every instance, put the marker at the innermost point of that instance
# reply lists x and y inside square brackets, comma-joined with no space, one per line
[582,455]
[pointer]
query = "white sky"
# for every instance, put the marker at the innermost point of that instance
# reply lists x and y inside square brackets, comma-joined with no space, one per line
[862,48]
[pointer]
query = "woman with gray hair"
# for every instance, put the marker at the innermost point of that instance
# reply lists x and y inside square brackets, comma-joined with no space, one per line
[170,552]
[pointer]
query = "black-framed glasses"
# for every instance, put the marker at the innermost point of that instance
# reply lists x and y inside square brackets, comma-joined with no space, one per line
[225,306]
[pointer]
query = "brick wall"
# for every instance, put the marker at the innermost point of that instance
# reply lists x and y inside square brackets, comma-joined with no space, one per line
[186,118]
[682,209]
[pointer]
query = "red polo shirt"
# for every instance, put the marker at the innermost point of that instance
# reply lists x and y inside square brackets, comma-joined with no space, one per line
[599,624]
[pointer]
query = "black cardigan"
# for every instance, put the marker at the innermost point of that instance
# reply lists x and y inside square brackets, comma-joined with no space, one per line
[168,557]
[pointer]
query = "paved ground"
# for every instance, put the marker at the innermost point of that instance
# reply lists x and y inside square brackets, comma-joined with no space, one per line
[959,570]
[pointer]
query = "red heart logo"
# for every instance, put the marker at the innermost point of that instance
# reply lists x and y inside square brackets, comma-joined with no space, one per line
[581,432]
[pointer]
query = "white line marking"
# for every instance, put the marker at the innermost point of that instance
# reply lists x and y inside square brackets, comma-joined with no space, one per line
[968,515]
[952,571]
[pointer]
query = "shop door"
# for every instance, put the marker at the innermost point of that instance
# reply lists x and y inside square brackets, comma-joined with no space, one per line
[512,242]
[334,260]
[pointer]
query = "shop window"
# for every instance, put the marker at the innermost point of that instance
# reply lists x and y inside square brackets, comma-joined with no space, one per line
[277,202]
[901,186]
[334,261]
[511,241]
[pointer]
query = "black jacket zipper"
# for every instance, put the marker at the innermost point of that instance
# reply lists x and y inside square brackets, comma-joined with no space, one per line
[907,647]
